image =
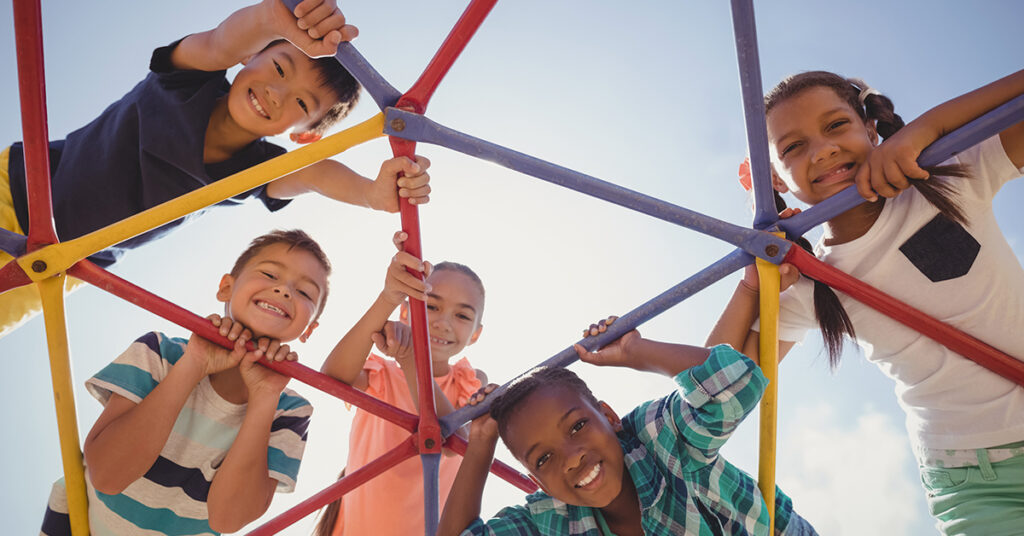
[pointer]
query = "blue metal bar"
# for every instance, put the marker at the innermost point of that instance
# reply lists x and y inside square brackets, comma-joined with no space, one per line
[969,135]
[628,322]
[12,243]
[383,93]
[431,492]
[421,129]
[753,113]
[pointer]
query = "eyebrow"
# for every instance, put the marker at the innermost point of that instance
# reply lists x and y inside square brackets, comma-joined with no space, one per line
[827,113]
[303,276]
[526,456]
[293,68]
[466,305]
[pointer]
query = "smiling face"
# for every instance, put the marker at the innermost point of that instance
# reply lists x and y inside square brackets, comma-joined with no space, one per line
[276,90]
[817,141]
[568,445]
[277,293]
[455,305]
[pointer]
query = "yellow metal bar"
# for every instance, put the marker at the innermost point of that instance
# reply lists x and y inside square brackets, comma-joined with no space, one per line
[60,257]
[52,293]
[768,277]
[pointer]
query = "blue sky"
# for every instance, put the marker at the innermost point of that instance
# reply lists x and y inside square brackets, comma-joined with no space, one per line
[645,95]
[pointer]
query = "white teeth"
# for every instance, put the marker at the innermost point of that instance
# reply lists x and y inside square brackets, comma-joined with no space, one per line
[590,477]
[438,341]
[272,308]
[256,104]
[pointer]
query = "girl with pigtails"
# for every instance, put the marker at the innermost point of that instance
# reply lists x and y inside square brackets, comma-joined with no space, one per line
[927,237]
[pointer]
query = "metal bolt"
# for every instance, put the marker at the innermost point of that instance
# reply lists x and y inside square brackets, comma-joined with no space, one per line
[429,443]
[39,267]
[398,124]
[772,250]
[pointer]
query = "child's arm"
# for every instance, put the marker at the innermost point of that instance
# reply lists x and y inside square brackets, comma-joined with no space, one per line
[346,360]
[242,489]
[463,505]
[316,27]
[890,165]
[337,181]
[127,438]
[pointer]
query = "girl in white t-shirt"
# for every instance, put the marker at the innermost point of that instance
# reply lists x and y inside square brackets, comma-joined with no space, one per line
[936,247]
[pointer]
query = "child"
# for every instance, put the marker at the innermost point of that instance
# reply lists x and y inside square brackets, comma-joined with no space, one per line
[184,126]
[943,254]
[656,471]
[392,503]
[193,438]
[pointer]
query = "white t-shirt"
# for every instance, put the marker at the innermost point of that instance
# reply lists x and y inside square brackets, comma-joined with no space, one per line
[951,402]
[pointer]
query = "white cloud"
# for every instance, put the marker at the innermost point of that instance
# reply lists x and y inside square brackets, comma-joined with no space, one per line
[850,479]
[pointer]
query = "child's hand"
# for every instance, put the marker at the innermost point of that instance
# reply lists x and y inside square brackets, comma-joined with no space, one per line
[788,275]
[484,429]
[399,283]
[892,164]
[414,185]
[259,379]
[481,394]
[316,26]
[395,341]
[213,357]
[614,354]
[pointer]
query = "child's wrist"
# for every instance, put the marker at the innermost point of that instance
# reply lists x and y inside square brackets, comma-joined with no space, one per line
[748,287]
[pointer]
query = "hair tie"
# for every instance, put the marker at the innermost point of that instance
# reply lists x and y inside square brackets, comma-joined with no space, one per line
[865,89]
[744,173]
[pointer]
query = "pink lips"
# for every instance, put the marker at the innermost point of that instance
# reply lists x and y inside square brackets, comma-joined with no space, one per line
[840,173]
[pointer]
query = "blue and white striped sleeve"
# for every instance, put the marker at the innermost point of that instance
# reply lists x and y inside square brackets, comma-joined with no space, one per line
[138,370]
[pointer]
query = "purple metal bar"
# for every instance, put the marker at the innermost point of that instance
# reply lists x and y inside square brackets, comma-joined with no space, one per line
[419,128]
[969,135]
[431,492]
[745,31]
[12,243]
[628,322]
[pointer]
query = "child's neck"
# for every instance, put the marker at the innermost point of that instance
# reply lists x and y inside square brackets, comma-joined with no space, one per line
[440,368]
[853,223]
[224,137]
[230,386]
[623,514]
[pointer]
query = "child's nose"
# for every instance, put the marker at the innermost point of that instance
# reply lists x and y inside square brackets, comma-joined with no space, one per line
[824,149]
[284,291]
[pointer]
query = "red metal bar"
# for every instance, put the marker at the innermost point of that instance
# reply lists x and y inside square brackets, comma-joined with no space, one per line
[498,468]
[339,488]
[954,339]
[28,30]
[103,279]
[12,276]
[419,94]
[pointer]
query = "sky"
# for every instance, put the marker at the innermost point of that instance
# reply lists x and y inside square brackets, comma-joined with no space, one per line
[642,94]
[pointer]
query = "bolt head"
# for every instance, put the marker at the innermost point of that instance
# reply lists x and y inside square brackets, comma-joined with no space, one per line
[39,267]
[429,443]
[772,250]
[398,124]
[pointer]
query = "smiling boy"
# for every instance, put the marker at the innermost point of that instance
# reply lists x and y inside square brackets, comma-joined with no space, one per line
[185,126]
[656,471]
[194,438]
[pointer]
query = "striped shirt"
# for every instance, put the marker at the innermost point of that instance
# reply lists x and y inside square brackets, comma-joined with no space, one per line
[171,497]
[671,452]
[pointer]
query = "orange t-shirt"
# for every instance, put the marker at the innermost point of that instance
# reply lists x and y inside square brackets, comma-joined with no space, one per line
[392,503]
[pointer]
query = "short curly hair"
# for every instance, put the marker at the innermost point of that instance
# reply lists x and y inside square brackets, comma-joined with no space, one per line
[507,404]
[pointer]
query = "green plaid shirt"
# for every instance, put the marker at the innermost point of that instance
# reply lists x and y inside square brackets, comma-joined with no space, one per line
[671,447]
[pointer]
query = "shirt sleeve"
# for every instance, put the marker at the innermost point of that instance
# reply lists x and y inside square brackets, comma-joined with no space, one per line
[288,435]
[713,398]
[510,521]
[137,371]
[989,167]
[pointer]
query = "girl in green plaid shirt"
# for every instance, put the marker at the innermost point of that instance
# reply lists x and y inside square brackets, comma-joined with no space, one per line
[655,471]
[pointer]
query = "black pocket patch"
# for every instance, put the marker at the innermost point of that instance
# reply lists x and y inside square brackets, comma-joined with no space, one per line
[942,249]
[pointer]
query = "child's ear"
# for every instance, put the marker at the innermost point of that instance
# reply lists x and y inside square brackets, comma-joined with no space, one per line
[309,331]
[613,418]
[403,313]
[224,291]
[307,136]
[778,183]
[476,334]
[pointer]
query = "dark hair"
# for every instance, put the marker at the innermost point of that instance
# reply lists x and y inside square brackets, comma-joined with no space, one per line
[468,272]
[294,238]
[334,76]
[506,405]
[329,515]
[835,324]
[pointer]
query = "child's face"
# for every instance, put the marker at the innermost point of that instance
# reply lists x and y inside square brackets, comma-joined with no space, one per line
[276,90]
[454,306]
[816,143]
[277,293]
[568,446]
